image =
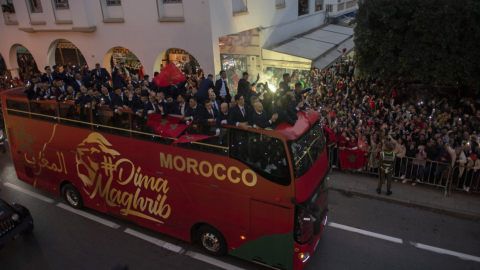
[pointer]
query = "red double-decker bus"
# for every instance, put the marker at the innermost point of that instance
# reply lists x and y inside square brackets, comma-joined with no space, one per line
[212,191]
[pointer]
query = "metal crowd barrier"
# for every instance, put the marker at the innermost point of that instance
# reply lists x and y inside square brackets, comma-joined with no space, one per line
[434,173]
[464,177]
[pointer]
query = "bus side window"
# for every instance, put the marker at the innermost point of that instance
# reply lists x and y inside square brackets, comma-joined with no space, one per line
[17,106]
[45,108]
[263,154]
[106,118]
[73,115]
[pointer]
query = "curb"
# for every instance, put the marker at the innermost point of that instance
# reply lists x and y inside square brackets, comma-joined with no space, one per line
[408,203]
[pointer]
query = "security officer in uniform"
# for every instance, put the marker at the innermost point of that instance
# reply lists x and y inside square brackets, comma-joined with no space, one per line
[387,161]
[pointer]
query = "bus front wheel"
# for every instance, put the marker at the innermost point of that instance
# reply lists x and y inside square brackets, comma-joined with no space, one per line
[212,241]
[72,196]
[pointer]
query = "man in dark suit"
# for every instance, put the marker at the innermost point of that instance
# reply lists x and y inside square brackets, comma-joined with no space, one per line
[47,77]
[100,74]
[180,106]
[243,85]
[150,106]
[213,99]
[222,118]
[285,114]
[87,100]
[68,77]
[70,94]
[205,85]
[193,111]
[39,92]
[221,89]
[77,83]
[60,91]
[208,114]
[87,79]
[139,105]
[238,115]
[135,81]
[117,79]
[283,87]
[260,118]
[57,76]
[116,100]
[30,91]
[105,97]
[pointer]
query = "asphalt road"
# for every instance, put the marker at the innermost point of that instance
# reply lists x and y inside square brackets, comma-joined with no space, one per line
[362,234]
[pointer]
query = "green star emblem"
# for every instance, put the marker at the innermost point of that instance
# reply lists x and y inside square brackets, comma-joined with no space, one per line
[173,126]
[352,158]
[164,122]
[169,79]
[25,140]
[189,138]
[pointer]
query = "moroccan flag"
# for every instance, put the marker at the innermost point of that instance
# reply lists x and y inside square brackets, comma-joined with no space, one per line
[170,130]
[331,136]
[352,159]
[169,75]
[191,138]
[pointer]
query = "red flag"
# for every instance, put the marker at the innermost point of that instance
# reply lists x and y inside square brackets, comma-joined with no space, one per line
[352,159]
[331,136]
[141,72]
[170,130]
[169,75]
[191,138]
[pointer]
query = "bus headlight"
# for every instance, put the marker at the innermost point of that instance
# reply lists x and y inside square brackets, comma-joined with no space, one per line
[15,217]
[304,256]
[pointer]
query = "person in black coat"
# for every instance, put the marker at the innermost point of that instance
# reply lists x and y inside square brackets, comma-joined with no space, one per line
[260,118]
[244,85]
[116,100]
[222,117]
[56,75]
[208,113]
[285,114]
[117,79]
[78,82]
[203,88]
[238,115]
[105,97]
[179,106]
[139,105]
[221,89]
[30,91]
[193,111]
[100,74]
[47,77]
[60,91]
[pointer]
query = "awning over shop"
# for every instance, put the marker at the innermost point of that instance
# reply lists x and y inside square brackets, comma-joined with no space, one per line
[320,46]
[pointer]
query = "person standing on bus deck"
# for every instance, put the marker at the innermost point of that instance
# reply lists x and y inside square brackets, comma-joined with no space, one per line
[284,87]
[387,161]
[221,89]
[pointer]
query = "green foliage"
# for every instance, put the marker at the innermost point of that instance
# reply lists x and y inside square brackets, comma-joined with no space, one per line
[430,40]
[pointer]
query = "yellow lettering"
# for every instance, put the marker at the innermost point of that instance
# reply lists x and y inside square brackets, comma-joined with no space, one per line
[114,195]
[215,171]
[229,173]
[182,168]
[161,184]
[192,163]
[121,171]
[244,178]
[209,166]
[166,162]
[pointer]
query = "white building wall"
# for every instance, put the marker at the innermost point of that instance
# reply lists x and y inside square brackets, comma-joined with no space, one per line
[148,38]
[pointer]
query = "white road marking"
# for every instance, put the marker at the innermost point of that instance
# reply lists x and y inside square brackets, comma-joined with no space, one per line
[28,192]
[155,241]
[367,233]
[448,252]
[212,261]
[89,216]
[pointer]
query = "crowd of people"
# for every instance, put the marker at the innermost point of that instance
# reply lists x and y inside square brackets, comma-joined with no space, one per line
[430,126]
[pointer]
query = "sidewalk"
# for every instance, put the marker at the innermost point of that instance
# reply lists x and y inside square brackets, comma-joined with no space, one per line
[461,204]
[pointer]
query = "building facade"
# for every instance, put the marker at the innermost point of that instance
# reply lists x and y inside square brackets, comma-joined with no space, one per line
[214,32]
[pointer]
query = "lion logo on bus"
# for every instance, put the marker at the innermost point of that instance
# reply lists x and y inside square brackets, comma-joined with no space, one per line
[93,150]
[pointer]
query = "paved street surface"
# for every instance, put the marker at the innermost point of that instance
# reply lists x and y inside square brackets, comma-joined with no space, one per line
[363,233]
[458,203]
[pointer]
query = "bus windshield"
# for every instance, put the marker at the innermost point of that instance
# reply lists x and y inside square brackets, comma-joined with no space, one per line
[307,149]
